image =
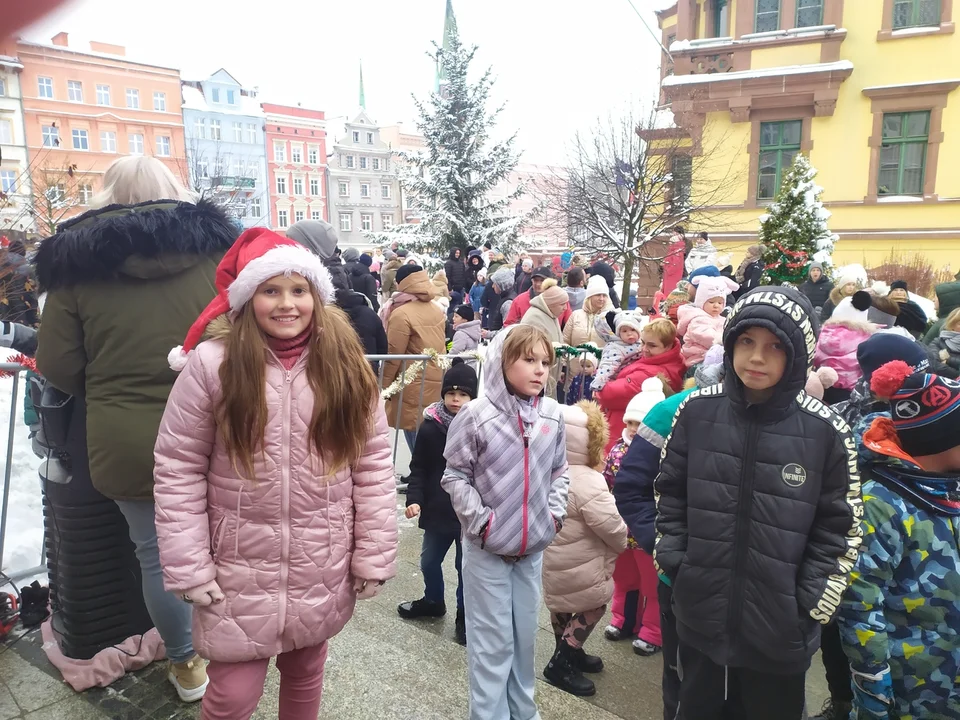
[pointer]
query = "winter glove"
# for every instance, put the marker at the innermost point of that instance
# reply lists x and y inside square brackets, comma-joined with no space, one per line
[206,594]
[873,695]
[367,589]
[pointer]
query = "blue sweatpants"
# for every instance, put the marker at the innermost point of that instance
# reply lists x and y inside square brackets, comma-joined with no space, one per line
[502,600]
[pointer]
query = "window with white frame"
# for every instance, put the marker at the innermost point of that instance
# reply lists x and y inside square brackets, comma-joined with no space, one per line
[364,190]
[214,129]
[133,98]
[75,91]
[385,165]
[281,186]
[135,143]
[298,215]
[160,102]
[203,169]
[346,222]
[201,128]
[218,169]
[85,193]
[253,170]
[314,187]
[45,87]
[283,218]
[215,95]
[376,163]
[108,141]
[363,162]
[356,136]
[163,146]
[237,169]
[238,132]
[313,155]
[8,181]
[298,186]
[231,97]
[351,161]
[279,152]
[3,87]
[103,94]
[386,220]
[296,153]
[6,132]
[316,215]
[255,207]
[369,138]
[385,192]
[252,133]
[80,139]
[366,222]
[51,136]
[343,188]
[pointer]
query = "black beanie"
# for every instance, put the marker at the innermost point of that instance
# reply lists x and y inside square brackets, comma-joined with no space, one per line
[366,260]
[881,348]
[406,271]
[465,311]
[460,376]
[898,285]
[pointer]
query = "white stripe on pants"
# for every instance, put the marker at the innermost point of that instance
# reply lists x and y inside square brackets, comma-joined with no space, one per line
[502,600]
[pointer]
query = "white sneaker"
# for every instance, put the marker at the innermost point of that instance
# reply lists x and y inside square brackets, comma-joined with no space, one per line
[641,647]
[189,678]
[613,633]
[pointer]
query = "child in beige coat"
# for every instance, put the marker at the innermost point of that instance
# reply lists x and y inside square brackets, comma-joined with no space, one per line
[578,565]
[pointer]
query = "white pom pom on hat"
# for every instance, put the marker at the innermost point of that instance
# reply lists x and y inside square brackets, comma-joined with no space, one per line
[256,256]
[651,392]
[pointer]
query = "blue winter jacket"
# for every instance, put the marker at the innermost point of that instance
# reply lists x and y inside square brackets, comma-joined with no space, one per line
[476,292]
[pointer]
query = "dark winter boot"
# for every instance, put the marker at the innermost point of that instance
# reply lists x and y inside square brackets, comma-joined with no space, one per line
[421,608]
[839,710]
[562,673]
[586,663]
[460,630]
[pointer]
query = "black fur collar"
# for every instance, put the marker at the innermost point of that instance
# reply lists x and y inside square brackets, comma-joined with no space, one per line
[93,246]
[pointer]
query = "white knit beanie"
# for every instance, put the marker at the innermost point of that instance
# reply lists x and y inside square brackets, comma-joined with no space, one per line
[651,392]
[596,285]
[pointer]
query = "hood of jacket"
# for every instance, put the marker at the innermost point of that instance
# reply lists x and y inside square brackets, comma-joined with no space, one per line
[587,434]
[152,239]
[788,314]
[495,381]
[540,304]
[389,265]
[347,299]
[949,296]
[577,296]
[453,254]
[419,285]
[605,271]
[471,328]
[356,268]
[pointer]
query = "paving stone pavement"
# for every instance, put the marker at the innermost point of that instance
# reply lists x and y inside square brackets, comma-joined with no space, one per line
[379,668]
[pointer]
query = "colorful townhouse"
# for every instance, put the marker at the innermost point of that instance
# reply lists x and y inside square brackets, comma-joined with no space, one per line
[84,108]
[296,156]
[865,88]
[226,155]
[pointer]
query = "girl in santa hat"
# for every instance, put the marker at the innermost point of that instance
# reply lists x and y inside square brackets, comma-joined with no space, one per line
[275,496]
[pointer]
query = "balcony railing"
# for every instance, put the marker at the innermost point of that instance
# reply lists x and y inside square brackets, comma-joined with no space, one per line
[234,181]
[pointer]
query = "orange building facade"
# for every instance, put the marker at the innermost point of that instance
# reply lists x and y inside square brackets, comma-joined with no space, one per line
[83,109]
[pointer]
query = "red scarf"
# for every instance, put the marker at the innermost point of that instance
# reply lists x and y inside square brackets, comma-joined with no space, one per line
[289,351]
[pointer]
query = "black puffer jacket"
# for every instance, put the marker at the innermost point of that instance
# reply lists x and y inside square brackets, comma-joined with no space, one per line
[426,469]
[474,265]
[456,272]
[362,281]
[757,523]
[366,322]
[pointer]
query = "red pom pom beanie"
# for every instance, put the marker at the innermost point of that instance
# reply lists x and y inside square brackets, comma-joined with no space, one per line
[257,255]
[923,407]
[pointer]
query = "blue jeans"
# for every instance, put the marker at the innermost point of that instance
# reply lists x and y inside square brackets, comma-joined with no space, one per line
[171,616]
[432,553]
[411,437]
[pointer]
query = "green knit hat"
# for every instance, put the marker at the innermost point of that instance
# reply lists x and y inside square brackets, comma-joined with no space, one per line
[657,423]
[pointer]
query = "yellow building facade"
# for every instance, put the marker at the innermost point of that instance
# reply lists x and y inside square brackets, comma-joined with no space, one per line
[867,89]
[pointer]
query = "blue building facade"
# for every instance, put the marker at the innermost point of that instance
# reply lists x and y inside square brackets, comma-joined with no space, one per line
[226,154]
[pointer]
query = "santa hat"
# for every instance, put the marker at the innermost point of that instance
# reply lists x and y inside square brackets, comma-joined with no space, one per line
[711,287]
[257,255]
[651,392]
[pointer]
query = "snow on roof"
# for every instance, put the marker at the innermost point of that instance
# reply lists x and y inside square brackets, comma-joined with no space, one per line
[10,62]
[193,99]
[839,66]
[911,85]
[663,118]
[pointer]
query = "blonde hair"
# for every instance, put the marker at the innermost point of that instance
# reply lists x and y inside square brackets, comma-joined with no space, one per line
[952,321]
[663,330]
[344,389]
[139,178]
[520,343]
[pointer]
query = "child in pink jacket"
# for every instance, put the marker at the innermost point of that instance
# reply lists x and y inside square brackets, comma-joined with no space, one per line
[701,324]
[275,495]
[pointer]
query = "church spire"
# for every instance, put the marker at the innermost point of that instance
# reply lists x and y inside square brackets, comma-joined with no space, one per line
[449,30]
[363,97]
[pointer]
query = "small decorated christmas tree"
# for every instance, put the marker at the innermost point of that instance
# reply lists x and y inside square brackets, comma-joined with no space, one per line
[794,230]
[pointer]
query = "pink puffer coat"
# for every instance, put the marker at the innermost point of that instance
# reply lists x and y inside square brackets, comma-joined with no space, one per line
[699,331]
[285,548]
[837,349]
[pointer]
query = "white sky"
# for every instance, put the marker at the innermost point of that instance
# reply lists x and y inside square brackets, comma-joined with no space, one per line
[558,65]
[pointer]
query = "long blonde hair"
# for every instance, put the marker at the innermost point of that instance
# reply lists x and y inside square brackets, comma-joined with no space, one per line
[343,384]
[139,178]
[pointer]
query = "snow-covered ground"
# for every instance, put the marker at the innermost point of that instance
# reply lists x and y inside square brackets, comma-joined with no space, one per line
[23,541]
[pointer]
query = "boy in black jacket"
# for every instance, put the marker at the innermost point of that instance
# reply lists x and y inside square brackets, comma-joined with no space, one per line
[425,497]
[758,517]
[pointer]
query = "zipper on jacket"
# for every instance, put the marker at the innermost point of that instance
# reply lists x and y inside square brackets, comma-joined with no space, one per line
[526,484]
[742,532]
[285,503]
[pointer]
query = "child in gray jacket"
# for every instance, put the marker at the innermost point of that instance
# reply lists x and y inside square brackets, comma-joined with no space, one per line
[509,440]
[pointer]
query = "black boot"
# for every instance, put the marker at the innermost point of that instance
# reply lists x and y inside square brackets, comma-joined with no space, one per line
[586,663]
[834,710]
[413,609]
[460,630]
[561,672]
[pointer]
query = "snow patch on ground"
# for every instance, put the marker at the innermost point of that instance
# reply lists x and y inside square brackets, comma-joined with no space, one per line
[23,541]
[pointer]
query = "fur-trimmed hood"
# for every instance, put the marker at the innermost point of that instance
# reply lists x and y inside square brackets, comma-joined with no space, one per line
[152,239]
[587,434]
